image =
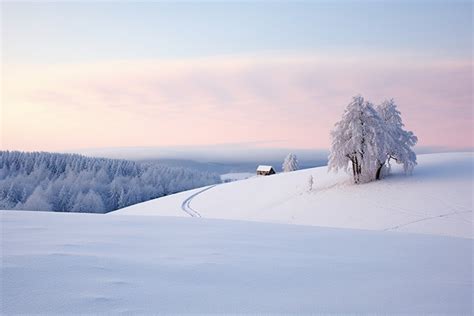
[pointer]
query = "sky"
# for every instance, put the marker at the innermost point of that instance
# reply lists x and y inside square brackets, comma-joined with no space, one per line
[88,74]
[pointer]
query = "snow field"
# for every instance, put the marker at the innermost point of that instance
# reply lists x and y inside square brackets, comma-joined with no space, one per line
[436,199]
[64,263]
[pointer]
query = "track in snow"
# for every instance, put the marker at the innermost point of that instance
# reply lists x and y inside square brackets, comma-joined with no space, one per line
[426,219]
[185,206]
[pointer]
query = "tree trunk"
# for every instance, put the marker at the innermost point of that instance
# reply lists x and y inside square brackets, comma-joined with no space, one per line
[379,172]
[356,168]
[353,170]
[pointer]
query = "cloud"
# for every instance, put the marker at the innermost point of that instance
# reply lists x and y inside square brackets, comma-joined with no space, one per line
[227,99]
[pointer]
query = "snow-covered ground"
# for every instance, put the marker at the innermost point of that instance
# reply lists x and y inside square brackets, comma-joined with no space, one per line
[234,176]
[436,199]
[66,263]
[133,263]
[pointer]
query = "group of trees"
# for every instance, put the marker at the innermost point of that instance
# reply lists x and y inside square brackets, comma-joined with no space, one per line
[368,137]
[74,183]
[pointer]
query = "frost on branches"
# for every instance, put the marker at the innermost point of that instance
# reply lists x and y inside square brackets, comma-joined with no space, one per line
[367,138]
[74,183]
[290,163]
[400,142]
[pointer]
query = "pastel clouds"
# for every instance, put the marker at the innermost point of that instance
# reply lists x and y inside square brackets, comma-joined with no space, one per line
[294,99]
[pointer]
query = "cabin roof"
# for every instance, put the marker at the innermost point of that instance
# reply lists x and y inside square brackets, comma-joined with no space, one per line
[264,168]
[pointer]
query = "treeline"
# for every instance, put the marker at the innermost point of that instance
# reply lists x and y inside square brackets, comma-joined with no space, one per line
[74,183]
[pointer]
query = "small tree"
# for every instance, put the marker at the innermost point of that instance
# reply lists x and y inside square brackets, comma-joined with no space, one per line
[310,183]
[290,163]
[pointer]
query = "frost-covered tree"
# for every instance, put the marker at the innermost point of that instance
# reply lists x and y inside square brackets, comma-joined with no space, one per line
[367,138]
[358,141]
[90,202]
[37,201]
[290,163]
[400,141]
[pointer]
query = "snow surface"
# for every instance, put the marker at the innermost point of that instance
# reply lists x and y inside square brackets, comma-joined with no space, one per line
[70,263]
[234,176]
[436,199]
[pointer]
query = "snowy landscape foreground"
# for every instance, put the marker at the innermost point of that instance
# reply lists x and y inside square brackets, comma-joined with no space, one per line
[59,263]
[63,263]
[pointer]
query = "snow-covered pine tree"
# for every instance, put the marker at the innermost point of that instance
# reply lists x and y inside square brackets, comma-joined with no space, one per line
[37,201]
[290,163]
[399,141]
[358,141]
[89,202]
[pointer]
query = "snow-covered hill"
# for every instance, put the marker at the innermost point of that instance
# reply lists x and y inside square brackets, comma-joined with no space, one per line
[72,263]
[436,199]
[63,263]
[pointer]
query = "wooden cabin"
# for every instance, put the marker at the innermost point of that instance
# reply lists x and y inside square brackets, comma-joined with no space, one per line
[263,170]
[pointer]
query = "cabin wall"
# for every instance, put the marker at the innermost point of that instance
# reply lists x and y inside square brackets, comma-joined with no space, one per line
[265,173]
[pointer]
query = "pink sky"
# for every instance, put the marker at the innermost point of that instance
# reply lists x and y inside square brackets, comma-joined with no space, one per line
[287,101]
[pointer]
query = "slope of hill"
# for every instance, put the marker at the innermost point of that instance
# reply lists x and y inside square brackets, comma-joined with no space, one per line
[436,199]
[71,263]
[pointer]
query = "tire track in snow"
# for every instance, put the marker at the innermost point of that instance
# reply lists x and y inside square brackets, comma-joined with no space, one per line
[185,206]
[425,219]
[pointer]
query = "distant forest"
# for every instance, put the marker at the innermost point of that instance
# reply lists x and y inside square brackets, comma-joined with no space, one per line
[74,183]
